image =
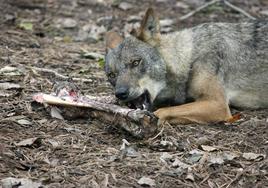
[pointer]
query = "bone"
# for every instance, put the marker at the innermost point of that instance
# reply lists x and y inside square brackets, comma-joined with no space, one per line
[138,123]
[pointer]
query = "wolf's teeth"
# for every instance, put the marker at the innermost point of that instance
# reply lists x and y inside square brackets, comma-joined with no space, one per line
[143,106]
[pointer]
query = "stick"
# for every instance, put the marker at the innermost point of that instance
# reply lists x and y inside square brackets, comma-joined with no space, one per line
[213,2]
[238,9]
[198,9]
[139,123]
[60,75]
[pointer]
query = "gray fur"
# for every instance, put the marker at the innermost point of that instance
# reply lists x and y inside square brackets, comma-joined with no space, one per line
[237,54]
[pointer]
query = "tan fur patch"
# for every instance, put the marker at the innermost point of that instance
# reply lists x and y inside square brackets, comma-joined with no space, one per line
[210,105]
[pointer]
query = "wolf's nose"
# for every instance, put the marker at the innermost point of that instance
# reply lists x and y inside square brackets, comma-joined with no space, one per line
[122,93]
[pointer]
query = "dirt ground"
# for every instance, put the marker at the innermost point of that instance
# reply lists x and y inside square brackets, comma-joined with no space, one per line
[53,35]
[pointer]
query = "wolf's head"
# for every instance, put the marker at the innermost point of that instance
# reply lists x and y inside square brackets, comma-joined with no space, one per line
[134,66]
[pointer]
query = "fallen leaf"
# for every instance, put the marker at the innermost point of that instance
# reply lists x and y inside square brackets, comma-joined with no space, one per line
[26,26]
[208,148]
[264,12]
[146,181]
[125,6]
[179,163]
[203,140]
[8,85]
[196,155]
[24,122]
[228,156]
[190,177]
[127,150]
[54,143]
[133,19]
[92,55]
[10,71]
[29,142]
[55,113]
[166,22]
[215,159]
[101,63]
[166,143]
[182,5]
[19,182]
[165,157]
[253,156]
[67,23]
[234,118]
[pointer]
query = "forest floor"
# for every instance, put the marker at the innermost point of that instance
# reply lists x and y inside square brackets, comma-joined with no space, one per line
[41,36]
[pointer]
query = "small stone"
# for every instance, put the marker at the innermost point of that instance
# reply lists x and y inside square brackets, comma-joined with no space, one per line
[203,140]
[166,22]
[69,23]
[125,6]
[105,20]
[165,157]
[166,29]
[146,181]
[264,12]
[182,5]
[133,19]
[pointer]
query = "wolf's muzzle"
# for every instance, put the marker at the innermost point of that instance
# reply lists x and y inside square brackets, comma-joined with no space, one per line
[122,93]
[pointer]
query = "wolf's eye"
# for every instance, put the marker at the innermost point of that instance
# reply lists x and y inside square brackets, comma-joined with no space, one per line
[111,75]
[136,62]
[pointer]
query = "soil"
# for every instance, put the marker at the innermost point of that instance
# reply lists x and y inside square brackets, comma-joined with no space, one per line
[88,152]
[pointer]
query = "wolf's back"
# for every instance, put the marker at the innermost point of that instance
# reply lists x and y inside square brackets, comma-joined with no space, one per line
[240,59]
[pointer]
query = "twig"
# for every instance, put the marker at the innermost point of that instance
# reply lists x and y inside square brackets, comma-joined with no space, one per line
[158,134]
[238,10]
[237,177]
[198,9]
[213,2]
[60,75]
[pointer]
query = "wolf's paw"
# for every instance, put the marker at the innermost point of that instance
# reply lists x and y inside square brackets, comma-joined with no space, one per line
[141,114]
[162,115]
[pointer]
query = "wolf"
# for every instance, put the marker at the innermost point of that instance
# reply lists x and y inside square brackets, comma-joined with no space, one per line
[193,75]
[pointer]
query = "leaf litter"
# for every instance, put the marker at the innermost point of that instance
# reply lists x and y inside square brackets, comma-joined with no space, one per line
[79,152]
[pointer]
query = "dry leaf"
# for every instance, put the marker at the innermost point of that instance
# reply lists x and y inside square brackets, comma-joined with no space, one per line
[208,148]
[54,143]
[55,113]
[146,181]
[8,85]
[234,118]
[165,157]
[253,156]
[178,163]
[190,177]
[216,159]
[21,183]
[29,142]
[24,122]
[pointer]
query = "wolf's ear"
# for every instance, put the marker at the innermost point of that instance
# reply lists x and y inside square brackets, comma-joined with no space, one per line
[150,28]
[112,39]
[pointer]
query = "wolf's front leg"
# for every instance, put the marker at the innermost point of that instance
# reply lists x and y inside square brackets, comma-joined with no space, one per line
[205,111]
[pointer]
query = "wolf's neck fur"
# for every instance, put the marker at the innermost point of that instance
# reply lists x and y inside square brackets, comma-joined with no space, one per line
[177,54]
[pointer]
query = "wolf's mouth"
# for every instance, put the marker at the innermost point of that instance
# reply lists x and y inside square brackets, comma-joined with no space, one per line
[142,102]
